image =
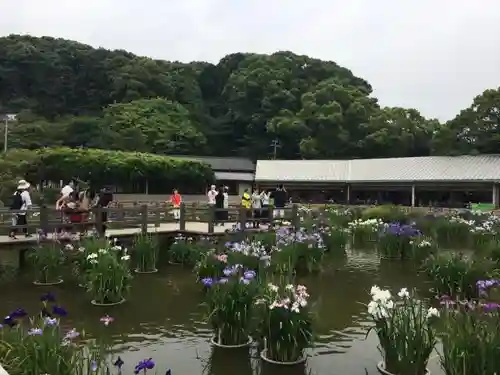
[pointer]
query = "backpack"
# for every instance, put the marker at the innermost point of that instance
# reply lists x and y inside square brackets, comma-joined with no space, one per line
[17,201]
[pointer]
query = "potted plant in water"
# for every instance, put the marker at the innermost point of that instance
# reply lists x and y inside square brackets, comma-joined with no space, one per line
[230,301]
[81,262]
[285,324]
[470,337]
[146,253]
[47,258]
[108,278]
[405,329]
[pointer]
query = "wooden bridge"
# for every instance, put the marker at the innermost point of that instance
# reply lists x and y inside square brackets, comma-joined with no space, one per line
[128,220]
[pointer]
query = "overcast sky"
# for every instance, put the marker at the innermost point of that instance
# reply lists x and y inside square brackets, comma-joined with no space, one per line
[434,55]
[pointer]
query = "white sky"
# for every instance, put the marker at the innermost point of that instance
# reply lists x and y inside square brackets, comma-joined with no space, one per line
[433,55]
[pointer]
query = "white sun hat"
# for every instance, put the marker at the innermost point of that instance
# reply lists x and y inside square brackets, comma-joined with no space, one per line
[23,184]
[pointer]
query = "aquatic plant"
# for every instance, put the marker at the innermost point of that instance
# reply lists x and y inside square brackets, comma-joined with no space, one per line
[43,344]
[188,251]
[405,329]
[470,338]
[402,241]
[89,244]
[146,249]
[285,322]
[47,257]
[364,232]
[211,265]
[297,250]
[230,301]
[109,277]
[456,274]
[452,232]
[251,254]
[40,345]
[335,238]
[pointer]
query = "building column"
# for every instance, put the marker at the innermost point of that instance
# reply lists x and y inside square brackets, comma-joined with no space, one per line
[348,194]
[495,196]
[413,195]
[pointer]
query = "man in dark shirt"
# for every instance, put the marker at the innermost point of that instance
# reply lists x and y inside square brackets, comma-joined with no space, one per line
[105,198]
[280,197]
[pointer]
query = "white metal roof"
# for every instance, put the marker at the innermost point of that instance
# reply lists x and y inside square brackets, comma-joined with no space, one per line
[427,168]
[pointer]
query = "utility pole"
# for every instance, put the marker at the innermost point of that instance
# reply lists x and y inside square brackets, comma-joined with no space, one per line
[275,144]
[8,117]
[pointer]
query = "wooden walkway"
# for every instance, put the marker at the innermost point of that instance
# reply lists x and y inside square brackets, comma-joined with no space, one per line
[195,228]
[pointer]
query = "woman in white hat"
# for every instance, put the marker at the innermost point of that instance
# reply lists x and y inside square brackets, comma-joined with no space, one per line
[21,202]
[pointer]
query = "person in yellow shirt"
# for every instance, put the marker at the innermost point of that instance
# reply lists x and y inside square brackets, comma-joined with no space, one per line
[246,203]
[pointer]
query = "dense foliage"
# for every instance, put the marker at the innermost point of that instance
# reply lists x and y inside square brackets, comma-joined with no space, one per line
[127,170]
[70,94]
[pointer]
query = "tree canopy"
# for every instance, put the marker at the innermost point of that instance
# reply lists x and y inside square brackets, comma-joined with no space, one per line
[68,94]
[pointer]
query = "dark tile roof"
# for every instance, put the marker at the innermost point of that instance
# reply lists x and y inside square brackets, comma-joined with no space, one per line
[221,164]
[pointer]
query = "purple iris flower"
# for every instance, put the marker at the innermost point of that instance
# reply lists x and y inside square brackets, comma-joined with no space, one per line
[491,306]
[144,365]
[249,275]
[207,281]
[18,313]
[48,297]
[228,271]
[223,280]
[58,310]
[9,321]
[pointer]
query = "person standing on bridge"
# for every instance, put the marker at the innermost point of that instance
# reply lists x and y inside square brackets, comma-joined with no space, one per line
[21,202]
[212,193]
[176,201]
[246,204]
[104,199]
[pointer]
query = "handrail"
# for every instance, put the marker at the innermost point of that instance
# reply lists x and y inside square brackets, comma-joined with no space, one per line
[48,220]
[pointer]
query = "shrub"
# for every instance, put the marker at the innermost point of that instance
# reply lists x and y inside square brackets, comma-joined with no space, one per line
[387,214]
[125,169]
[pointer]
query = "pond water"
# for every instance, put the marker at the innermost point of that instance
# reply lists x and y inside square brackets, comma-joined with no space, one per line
[163,319]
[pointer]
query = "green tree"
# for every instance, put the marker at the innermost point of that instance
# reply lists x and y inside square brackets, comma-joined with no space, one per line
[70,94]
[396,132]
[475,130]
[155,125]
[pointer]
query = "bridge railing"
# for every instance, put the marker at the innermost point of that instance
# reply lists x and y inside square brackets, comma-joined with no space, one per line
[143,217]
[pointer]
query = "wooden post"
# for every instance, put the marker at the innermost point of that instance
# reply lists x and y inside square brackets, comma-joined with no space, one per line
[44,217]
[295,216]
[211,218]
[144,219]
[99,227]
[270,213]
[182,219]
[121,212]
[242,218]
[157,215]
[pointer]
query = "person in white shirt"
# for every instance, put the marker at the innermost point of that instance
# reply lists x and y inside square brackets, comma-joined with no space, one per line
[256,207]
[21,202]
[212,193]
[225,213]
[265,198]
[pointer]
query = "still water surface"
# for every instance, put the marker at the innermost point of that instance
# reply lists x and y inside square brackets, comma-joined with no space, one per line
[163,319]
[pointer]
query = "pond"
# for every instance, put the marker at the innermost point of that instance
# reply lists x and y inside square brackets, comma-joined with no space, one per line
[163,319]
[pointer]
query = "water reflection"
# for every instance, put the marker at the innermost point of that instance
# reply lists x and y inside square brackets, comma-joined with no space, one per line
[163,318]
[230,361]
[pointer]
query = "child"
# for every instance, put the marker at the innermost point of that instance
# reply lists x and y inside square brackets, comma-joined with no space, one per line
[176,201]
